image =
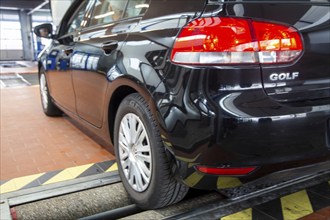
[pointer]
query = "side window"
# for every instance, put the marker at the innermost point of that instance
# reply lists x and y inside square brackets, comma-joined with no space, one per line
[76,20]
[136,8]
[107,10]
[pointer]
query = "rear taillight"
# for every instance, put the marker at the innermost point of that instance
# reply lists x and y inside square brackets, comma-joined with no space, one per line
[235,41]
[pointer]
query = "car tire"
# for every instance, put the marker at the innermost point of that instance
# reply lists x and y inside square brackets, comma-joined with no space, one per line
[48,106]
[143,164]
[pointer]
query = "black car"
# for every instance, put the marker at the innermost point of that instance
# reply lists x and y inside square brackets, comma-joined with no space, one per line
[207,94]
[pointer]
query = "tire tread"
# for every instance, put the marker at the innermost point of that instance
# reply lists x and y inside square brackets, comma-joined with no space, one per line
[170,190]
[173,191]
[52,110]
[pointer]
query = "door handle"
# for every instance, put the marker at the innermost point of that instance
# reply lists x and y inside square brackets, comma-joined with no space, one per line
[109,46]
[68,51]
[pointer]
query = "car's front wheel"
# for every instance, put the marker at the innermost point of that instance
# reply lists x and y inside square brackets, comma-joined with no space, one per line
[48,106]
[143,164]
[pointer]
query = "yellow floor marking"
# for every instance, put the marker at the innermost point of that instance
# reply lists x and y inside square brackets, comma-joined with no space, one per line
[114,167]
[63,175]
[228,182]
[68,174]
[8,187]
[18,183]
[76,171]
[193,179]
[245,214]
[296,205]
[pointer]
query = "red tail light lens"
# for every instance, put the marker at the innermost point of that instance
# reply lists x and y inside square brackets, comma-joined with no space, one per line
[277,43]
[230,171]
[234,41]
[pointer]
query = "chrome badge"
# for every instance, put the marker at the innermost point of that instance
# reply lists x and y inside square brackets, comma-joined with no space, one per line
[283,76]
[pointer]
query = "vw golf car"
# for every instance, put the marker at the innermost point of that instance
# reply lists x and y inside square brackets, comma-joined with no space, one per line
[206,94]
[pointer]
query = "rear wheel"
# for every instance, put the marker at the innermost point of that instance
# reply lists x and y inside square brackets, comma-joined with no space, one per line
[50,109]
[143,164]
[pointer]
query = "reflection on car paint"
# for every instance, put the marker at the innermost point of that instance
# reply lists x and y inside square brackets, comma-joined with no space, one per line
[51,60]
[84,61]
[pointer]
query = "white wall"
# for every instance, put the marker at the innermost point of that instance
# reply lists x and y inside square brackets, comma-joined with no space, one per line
[11,55]
[58,9]
[11,45]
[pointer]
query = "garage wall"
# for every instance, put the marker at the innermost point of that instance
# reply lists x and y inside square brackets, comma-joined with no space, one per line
[11,45]
[58,9]
[16,32]
[11,54]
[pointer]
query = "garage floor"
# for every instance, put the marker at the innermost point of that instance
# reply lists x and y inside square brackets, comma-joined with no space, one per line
[33,143]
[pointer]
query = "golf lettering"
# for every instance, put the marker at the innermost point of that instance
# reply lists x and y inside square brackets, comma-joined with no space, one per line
[283,76]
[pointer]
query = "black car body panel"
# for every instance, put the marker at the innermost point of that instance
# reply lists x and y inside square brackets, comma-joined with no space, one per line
[270,116]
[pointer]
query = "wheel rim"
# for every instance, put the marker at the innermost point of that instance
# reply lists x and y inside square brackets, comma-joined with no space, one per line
[135,152]
[43,91]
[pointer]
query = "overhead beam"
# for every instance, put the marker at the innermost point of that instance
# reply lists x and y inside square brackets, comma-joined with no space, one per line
[38,7]
[9,8]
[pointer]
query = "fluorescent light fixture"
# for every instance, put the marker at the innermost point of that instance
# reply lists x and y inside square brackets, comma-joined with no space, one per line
[104,15]
[142,6]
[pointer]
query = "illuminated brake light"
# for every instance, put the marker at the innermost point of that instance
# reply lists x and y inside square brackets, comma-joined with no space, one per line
[235,41]
[277,43]
[230,171]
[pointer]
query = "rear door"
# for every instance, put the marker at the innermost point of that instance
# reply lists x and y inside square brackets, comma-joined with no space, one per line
[97,52]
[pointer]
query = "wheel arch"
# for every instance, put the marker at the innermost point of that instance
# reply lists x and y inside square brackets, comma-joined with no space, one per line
[123,87]
[118,95]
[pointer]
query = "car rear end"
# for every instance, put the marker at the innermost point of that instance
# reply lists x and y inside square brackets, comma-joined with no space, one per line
[257,77]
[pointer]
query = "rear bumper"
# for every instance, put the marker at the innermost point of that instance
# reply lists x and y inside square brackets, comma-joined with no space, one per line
[276,134]
[293,173]
[241,127]
[263,176]
[270,177]
[288,140]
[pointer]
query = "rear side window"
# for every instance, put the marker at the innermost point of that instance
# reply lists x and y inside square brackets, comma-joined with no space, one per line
[136,8]
[106,11]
